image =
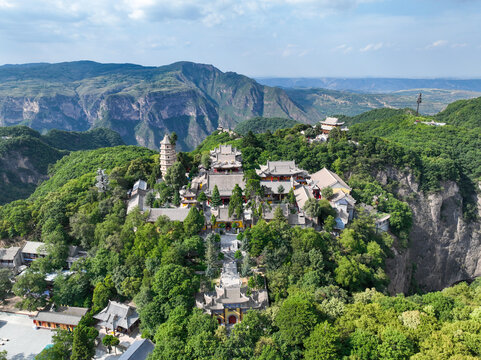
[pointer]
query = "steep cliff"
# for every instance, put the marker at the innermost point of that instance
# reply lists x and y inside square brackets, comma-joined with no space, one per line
[25,155]
[141,103]
[443,247]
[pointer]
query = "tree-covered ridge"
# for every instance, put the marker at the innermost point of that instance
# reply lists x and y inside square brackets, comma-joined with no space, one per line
[25,155]
[317,281]
[447,152]
[260,125]
[466,113]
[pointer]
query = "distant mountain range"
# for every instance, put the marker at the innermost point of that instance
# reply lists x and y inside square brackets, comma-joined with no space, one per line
[373,85]
[144,103]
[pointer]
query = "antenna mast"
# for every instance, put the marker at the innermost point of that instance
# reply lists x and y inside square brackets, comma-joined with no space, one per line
[420,100]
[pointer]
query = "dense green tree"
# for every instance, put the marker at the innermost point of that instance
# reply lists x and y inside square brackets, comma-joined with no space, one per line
[236,202]
[323,343]
[72,290]
[5,283]
[194,222]
[295,320]
[61,349]
[103,292]
[83,347]
[215,200]
[395,345]
[31,287]
[175,176]
[110,341]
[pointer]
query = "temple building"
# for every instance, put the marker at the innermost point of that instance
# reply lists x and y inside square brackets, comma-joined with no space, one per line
[187,198]
[168,155]
[225,158]
[225,183]
[281,171]
[64,318]
[330,124]
[325,178]
[230,301]
[118,317]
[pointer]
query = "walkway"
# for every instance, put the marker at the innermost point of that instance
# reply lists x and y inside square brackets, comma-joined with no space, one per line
[24,341]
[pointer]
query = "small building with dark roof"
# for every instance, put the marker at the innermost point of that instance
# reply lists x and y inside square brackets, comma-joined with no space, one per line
[118,317]
[65,318]
[33,250]
[139,350]
[11,257]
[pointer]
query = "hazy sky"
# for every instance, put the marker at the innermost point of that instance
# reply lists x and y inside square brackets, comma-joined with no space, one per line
[401,38]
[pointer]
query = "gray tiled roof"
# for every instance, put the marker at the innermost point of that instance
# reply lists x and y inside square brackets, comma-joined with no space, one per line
[225,183]
[9,253]
[326,178]
[272,186]
[63,315]
[139,350]
[279,168]
[174,214]
[34,247]
[117,315]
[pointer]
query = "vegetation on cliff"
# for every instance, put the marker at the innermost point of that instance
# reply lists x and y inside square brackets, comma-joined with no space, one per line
[260,125]
[25,155]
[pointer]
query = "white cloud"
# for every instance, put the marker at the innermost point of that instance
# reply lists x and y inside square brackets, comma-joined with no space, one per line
[437,44]
[460,45]
[344,48]
[372,47]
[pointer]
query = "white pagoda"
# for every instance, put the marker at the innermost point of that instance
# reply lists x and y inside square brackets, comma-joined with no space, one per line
[168,156]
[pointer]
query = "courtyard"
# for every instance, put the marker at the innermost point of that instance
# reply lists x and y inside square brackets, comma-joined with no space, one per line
[24,341]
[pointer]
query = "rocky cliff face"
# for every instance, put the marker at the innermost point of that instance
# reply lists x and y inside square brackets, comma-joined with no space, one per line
[443,247]
[140,103]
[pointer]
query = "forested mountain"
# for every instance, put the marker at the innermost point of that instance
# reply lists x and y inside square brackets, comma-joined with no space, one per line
[143,103]
[329,295]
[25,155]
[466,113]
[260,125]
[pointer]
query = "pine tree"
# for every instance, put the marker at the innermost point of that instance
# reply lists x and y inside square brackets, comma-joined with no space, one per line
[83,347]
[215,198]
[246,266]
[236,203]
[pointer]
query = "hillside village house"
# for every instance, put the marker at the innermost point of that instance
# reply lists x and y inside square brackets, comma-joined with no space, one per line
[64,318]
[11,257]
[33,250]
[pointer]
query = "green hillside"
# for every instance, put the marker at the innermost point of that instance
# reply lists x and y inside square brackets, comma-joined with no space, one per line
[327,293]
[260,125]
[25,155]
[465,113]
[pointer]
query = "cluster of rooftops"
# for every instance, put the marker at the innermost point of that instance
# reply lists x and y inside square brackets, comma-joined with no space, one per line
[277,179]
[17,257]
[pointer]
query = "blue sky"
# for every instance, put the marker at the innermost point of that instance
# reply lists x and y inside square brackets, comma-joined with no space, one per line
[312,38]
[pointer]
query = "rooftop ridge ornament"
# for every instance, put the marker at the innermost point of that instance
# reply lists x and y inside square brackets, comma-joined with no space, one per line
[419,101]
